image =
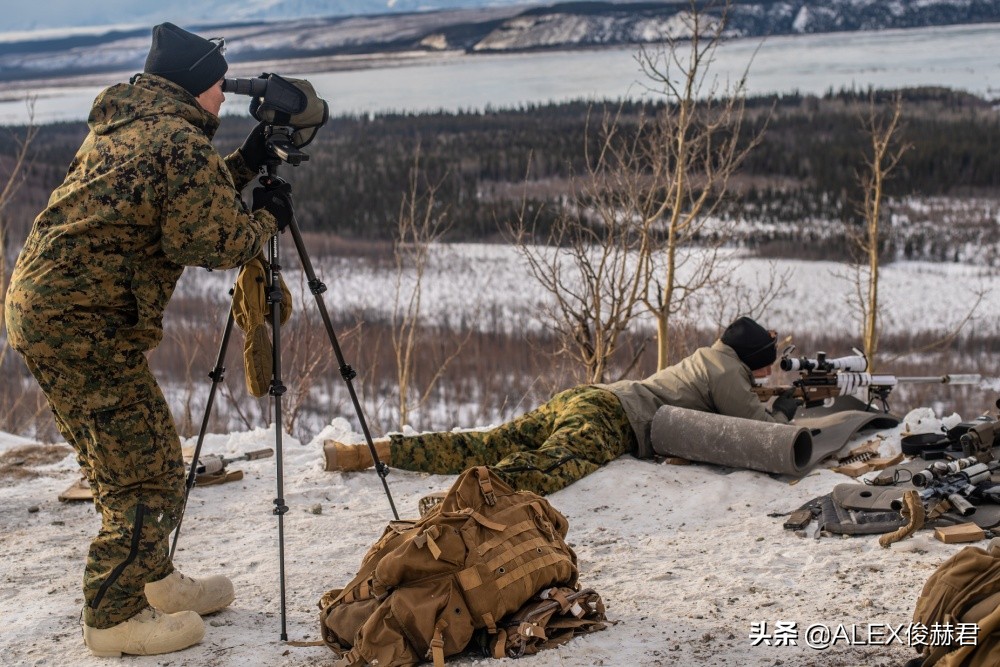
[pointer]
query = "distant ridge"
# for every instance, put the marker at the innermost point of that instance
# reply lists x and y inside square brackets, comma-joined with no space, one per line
[476,29]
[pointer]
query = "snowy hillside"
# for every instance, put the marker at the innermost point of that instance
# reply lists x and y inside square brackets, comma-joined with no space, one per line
[269,30]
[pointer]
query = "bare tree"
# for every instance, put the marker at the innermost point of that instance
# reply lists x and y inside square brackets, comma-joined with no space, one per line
[882,124]
[647,206]
[17,172]
[695,145]
[882,127]
[421,223]
[592,261]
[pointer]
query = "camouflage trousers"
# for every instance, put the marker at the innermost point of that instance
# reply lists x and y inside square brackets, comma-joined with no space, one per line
[114,415]
[563,440]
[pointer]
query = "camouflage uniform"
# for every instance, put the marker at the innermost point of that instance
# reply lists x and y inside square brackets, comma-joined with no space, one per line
[570,436]
[579,430]
[145,196]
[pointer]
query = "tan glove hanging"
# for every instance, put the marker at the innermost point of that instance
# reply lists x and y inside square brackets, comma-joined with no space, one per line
[251,313]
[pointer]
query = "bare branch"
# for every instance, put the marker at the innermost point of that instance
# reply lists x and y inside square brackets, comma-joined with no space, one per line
[15,179]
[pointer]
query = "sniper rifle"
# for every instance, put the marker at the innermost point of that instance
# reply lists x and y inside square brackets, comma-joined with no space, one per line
[821,380]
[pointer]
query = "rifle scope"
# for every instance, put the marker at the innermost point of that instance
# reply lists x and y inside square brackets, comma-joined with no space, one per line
[853,364]
[940,469]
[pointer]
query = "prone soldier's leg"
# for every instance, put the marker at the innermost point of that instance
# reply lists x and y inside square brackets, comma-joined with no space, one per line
[122,427]
[561,441]
[451,452]
[588,428]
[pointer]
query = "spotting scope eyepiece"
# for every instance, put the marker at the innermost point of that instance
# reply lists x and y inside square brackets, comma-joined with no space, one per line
[252,87]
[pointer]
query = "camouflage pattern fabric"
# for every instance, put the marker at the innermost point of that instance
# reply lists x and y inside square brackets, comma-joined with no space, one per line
[145,196]
[565,439]
[113,414]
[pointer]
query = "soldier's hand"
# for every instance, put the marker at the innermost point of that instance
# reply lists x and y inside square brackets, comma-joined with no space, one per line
[786,405]
[275,197]
[254,148]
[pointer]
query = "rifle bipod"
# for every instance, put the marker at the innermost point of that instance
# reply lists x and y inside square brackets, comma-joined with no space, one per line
[277,389]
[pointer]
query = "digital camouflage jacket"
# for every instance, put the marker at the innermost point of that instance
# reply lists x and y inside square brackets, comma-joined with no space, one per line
[145,196]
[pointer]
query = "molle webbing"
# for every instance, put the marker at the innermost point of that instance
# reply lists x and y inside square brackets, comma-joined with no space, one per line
[425,588]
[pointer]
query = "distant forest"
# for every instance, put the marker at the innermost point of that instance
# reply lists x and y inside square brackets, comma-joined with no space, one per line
[803,172]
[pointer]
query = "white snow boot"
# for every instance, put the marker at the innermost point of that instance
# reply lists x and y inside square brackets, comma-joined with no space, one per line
[149,632]
[177,592]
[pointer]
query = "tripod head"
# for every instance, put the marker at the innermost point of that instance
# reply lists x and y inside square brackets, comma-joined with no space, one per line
[281,148]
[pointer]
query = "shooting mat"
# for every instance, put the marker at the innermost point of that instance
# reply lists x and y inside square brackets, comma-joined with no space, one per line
[832,429]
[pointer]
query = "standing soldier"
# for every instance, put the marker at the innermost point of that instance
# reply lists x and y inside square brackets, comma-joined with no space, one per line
[145,196]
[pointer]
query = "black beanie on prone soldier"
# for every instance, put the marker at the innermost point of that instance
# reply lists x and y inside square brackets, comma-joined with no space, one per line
[192,62]
[753,344]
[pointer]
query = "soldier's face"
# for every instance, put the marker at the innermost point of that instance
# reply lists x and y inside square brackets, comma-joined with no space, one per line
[211,100]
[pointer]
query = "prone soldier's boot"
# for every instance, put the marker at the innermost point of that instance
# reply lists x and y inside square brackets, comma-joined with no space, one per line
[150,632]
[177,592]
[351,458]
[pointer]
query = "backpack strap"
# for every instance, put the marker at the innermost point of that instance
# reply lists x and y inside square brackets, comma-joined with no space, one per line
[488,523]
[500,644]
[352,658]
[437,643]
[491,623]
[426,540]
[523,571]
[362,591]
[505,536]
[486,485]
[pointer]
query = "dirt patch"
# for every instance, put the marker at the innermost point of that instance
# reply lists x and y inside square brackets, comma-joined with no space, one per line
[19,463]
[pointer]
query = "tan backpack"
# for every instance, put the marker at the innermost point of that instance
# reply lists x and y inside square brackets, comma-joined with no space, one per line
[964,590]
[426,586]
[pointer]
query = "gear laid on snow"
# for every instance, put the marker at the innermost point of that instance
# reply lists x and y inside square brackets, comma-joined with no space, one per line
[427,586]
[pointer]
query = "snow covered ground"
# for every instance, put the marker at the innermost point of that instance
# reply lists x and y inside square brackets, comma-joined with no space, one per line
[687,559]
[816,297]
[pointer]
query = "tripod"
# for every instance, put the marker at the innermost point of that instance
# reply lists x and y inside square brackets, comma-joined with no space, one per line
[281,149]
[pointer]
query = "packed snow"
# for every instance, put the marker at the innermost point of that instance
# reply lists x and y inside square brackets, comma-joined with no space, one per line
[688,559]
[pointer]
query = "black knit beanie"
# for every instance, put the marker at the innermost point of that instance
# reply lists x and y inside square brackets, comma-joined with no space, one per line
[188,60]
[753,343]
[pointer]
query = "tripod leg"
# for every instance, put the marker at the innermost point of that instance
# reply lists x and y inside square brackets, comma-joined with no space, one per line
[317,287]
[274,298]
[217,375]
